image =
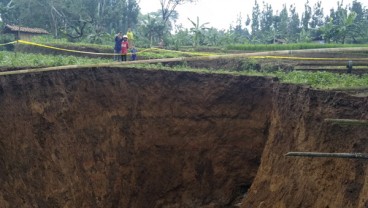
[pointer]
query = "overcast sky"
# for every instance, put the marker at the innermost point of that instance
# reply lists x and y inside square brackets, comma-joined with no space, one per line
[221,14]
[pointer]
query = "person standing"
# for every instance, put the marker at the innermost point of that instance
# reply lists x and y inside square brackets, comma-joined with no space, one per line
[134,53]
[124,48]
[117,48]
[130,36]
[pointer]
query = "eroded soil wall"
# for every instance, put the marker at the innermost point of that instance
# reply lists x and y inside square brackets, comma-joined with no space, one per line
[298,124]
[130,138]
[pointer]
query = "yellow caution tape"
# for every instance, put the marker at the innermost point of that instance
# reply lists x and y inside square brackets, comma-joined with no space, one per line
[181,52]
[105,54]
[3,44]
[63,49]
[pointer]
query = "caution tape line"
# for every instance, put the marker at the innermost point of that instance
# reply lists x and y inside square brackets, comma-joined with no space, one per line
[3,44]
[93,53]
[63,49]
[67,50]
[189,53]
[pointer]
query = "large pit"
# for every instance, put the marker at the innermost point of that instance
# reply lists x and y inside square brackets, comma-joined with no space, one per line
[114,137]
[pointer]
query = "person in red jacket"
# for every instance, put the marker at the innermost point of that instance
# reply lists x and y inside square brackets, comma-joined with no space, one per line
[124,48]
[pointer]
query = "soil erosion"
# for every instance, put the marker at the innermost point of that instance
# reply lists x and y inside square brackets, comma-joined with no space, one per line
[112,137]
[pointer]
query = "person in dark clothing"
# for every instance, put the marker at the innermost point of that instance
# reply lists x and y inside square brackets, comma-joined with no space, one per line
[117,48]
[133,51]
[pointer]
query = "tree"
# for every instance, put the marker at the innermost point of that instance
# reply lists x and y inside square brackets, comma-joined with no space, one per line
[266,22]
[328,30]
[317,20]
[360,22]
[169,6]
[152,27]
[306,17]
[283,30]
[76,19]
[317,16]
[294,25]
[255,20]
[346,27]
[181,37]
[197,30]
[240,34]
[358,9]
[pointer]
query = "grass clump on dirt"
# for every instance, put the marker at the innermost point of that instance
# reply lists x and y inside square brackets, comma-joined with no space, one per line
[321,80]
[324,80]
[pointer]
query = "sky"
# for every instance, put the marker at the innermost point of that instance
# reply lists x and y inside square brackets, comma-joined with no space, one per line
[223,13]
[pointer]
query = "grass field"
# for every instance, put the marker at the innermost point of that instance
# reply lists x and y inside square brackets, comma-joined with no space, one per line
[320,79]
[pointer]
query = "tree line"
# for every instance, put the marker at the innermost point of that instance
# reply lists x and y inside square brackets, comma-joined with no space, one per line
[97,21]
[343,24]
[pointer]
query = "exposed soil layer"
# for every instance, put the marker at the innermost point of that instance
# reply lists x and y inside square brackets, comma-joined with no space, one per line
[106,137]
[110,137]
[298,124]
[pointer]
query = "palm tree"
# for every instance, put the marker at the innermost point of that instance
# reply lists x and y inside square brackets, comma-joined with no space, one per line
[197,29]
[152,27]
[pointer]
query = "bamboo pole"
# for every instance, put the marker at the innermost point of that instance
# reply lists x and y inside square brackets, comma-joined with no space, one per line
[331,155]
[347,122]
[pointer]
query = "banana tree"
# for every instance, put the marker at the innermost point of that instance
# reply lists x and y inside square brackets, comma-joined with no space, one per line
[346,27]
[197,30]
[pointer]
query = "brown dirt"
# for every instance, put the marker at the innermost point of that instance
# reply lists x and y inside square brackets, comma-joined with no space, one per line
[110,137]
[130,138]
[270,65]
[298,125]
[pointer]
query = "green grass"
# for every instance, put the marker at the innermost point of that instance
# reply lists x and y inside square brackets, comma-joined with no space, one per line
[143,53]
[11,59]
[295,46]
[322,80]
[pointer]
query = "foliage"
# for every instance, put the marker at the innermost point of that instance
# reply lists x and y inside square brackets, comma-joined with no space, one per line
[73,19]
[97,21]
[6,38]
[324,80]
[152,29]
[168,8]
[197,30]
[10,59]
[295,46]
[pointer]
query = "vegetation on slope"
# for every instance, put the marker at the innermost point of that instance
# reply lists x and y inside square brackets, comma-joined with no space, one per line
[322,79]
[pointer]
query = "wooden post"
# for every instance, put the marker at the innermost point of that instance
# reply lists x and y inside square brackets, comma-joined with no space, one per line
[333,155]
